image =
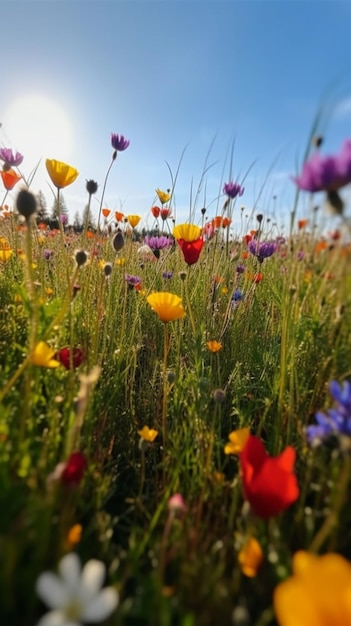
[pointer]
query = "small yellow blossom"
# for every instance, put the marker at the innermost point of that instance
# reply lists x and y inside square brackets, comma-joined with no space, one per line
[168,306]
[237,441]
[163,196]
[134,220]
[42,356]
[250,557]
[148,434]
[121,261]
[49,291]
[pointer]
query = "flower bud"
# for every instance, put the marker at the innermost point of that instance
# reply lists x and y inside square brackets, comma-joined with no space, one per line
[91,186]
[117,241]
[81,257]
[26,203]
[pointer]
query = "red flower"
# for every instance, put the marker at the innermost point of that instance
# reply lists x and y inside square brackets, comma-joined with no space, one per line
[64,357]
[269,482]
[191,250]
[155,210]
[165,213]
[74,469]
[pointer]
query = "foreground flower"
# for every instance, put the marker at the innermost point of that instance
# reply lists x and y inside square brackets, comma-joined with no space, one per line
[317,594]
[189,239]
[76,595]
[43,356]
[326,173]
[336,421]
[163,196]
[269,483]
[119,142]
[10,159]
[9,179]
[232,190]
[237,441]
[250,557]
[60,173]
[168,306]
[148,434]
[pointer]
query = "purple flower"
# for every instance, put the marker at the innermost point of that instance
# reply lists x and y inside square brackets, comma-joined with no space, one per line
[300,255]
[10,159]
[47,254]
[167,275]
[240,269]
[326,173]
[158,243]
[119,142]
[64,218]
[262,249]
[336,421]
[132,280]
[232,190]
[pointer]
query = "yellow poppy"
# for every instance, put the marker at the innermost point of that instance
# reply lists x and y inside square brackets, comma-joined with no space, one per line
[237,441]
[168,306]
[42,356]
[317,594]
[60,173]
[163,196]
[187,232]
[148,434]
[134,220]
[250,557]
[214,346]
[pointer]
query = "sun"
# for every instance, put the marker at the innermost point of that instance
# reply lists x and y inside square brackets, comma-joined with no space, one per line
[39,128]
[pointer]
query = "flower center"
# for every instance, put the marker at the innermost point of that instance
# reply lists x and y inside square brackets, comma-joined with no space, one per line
[73,610]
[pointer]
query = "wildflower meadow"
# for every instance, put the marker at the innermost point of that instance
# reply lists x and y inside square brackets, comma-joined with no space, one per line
[175,406]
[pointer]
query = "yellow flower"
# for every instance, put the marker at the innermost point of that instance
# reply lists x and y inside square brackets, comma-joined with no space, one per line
[134,220]
[168,306]
[187,232]
[250,557]
[121,261]
[148,434]
[237,441]
[6,251]
[214,346]
[42,356]
[318,593]
[60,173]
[163,196]
[49,291]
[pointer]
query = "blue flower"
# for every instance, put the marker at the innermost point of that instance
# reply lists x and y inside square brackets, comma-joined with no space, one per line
[336,421]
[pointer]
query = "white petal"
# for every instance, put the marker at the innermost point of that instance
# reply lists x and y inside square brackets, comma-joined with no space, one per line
[55,618]
[69,568]
[93,576]
[51,590]
[101,606]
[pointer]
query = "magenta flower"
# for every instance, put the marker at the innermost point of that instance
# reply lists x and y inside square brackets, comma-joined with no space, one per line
[10,159]
[326,173]
[232,190]
[262,249]
[119,142]
[158,242]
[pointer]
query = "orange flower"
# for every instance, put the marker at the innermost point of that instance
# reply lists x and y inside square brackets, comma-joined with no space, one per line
[148,434]
[302,224]
[217,221]
[250,557]
[214,346]
[320,246]
[9,179]
[226,222]
[245,254]
[237,441]
[119,216]
[89,234]
[106,212]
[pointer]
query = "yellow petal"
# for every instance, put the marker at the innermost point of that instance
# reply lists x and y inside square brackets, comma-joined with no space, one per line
[42,356]
[250,557]
[60,173]
[237,441]
[168,306]
[148,434]
[187,232]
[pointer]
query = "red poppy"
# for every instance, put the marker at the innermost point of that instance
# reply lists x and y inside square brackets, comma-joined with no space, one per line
[269,483]
[155,210]
[106,212]
[247,238]
[217,221]
[119,216]
[302,224]
[9,179]
[74,469]
[165,213]
[191,250]
[226,222]
[66,355]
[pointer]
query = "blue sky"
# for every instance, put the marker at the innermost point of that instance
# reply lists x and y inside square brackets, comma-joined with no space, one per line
[173,75]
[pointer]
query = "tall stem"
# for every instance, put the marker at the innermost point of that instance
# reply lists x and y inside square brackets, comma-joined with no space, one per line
[114,157]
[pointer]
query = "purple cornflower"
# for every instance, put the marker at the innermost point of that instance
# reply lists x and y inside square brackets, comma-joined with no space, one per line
[47,254]
[119,142]
[64,218]
[167,275]
[132,280]
[10,159]
[262,249]
[158,242]
[326,173]
[240,269]
[336,421]
[232,190]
